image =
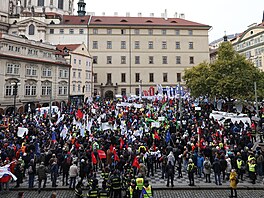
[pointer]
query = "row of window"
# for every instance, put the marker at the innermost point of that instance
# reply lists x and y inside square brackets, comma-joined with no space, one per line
[77,88]
[31,90]
[150,31]
[71,31]
[33,52]
[88,63]
[137,77]
[251,42]
[13,69]
[42,3]
[137,45]
[137,60]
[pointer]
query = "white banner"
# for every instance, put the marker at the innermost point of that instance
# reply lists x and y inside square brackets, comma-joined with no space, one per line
[22,131]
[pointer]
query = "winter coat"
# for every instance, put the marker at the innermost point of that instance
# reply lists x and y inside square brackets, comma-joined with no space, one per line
[142,170]
[232,180]
[217,166]
[73,172]
[42,172]
[171,158]
[200,161]
[207,170]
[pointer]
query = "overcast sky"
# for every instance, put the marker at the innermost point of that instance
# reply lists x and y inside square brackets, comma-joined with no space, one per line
[232,16]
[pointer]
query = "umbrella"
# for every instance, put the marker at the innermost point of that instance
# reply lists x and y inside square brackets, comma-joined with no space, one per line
[101,154]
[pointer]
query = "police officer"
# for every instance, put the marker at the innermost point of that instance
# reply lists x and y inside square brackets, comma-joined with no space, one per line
[252,171]
[115,182]
[140,182]
[148,190]
[78,190]
[105,174]
[93,192]
[240,166]
[104,192]
[133,190]
[190,169]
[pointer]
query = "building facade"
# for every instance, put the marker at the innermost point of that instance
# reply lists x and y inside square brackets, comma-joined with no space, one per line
[250,43]
[132,51]
[126,51]
[4,15]
[32,66]
[81,71]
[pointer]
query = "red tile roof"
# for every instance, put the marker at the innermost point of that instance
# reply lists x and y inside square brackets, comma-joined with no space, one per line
[153,21]
[70,47]
[74,20]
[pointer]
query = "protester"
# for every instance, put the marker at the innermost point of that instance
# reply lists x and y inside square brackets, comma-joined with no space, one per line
[170,174]
[42,176]
[233,183]
[134,137]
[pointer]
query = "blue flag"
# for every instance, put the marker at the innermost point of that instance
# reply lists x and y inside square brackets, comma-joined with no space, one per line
[168,136]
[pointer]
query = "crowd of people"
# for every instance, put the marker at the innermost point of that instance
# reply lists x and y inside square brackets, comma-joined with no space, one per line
[128,142]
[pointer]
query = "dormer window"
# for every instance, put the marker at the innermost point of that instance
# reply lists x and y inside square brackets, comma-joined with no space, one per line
[97,20]
[149,21]
[82,20]
[173,22]
[123,20]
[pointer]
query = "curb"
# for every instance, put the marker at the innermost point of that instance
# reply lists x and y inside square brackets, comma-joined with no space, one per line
[157,188]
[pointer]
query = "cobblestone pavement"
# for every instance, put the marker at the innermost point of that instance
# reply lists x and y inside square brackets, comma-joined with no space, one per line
[156,182]
[158,194]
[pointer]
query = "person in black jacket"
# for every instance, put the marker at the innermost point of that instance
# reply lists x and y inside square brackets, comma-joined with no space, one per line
[223,164]
[217,171]
[170,172]
[18,174]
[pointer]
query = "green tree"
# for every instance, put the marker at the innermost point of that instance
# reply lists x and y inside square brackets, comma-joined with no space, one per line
[230,77]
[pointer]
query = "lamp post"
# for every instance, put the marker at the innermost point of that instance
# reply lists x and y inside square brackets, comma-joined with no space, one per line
[15,86]
[140,89]
[179,91]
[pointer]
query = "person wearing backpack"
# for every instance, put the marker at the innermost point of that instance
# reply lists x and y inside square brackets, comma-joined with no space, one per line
[31,173]
[170,172]
[207,170]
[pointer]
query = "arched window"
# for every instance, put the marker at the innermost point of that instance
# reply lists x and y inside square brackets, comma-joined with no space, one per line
[60,4]
[40,2]
[31,29]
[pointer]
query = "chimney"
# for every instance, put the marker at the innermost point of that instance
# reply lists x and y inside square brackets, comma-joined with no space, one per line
[151,14]
[182,16]
[263,17]
[103,13]
[165,15]
[175,15]
[140,14]
[116,13]
[128,14]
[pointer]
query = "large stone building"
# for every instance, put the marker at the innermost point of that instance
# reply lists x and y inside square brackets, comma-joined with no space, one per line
[126,51]
[251,44]
[39,75]
[81,71]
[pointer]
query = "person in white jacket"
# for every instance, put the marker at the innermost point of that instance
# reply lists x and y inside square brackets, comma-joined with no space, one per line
[73,173]
[228,168]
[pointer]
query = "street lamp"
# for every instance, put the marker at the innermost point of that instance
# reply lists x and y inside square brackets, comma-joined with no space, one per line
[140,89]
[179,91]
[15,86]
